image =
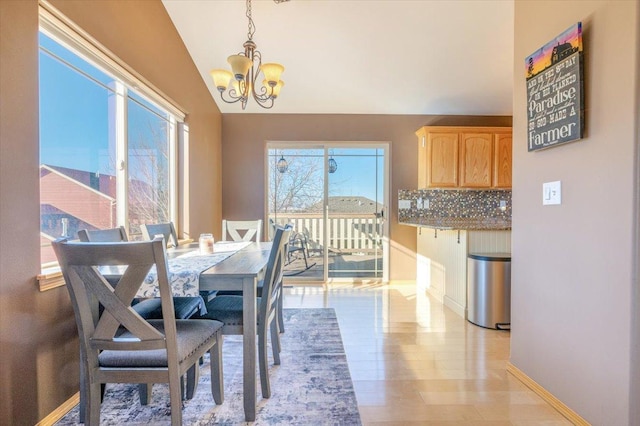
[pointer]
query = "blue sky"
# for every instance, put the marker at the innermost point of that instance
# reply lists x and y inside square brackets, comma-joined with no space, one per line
[74,115]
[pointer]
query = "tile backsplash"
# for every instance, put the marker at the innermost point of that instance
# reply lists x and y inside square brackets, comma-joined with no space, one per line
[455,208]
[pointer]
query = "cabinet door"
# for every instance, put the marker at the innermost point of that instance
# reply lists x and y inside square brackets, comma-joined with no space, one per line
[476,152]
[442,160]
[422,159]
[502,161]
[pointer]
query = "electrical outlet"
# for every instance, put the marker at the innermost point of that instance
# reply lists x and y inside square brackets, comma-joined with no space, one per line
[425,203]
[404,204]
[420,204]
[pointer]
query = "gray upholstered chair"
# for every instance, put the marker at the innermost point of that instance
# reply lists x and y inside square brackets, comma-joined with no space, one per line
[280,292]
[228,310]
[167,230]
[120,346]
[184,306]
[242,230]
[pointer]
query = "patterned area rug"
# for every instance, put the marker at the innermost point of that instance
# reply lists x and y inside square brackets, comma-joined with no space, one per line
[312,386]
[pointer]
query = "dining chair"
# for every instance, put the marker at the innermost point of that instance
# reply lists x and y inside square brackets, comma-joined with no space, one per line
[290,237]
[242,230]
[120,346]
[151,308]
[280,295]
[149,230]
[103,235]
[228,310]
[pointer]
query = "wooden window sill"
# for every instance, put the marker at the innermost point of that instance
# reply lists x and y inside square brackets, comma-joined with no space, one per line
[50,278]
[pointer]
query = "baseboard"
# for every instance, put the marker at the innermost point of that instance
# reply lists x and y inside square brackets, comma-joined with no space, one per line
[438,295]
[571,415]
[454,306]
[60,412]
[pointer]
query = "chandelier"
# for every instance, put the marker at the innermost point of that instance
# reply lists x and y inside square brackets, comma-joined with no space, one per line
[245,68]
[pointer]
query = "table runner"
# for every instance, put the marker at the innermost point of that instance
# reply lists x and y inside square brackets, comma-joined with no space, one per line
[185,270]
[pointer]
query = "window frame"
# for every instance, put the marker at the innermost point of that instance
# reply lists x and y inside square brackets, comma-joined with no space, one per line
[58,27]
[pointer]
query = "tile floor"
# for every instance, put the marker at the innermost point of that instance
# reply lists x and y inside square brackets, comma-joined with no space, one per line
[415,362]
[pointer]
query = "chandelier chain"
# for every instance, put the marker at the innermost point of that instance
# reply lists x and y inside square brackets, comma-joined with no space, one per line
[251,27]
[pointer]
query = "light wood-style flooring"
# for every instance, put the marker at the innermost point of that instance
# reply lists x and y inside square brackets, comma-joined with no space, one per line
[415,362]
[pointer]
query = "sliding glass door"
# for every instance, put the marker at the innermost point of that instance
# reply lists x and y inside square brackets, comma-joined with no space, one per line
[335,197]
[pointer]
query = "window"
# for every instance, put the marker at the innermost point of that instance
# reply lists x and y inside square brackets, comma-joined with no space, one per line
[107,143]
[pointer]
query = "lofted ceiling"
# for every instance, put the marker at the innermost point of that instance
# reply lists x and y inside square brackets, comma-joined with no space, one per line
[363,57]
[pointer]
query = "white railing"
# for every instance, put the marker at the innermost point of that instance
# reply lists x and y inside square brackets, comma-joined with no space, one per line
[347,232]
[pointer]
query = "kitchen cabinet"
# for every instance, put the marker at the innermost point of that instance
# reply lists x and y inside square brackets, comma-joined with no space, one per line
[502,160]
[464,157]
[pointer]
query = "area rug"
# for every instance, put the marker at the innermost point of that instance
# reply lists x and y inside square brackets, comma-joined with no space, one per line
[312,386]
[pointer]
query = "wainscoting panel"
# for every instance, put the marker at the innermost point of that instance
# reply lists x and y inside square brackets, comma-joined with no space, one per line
[489,241]
[442,266]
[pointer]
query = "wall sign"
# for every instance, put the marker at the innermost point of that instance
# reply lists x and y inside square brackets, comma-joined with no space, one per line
[555,93]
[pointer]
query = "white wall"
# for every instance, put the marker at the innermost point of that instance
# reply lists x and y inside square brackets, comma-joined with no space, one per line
[573,282]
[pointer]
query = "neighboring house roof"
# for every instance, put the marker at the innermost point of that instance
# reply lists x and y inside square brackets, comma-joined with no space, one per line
[348,204]
[104,185]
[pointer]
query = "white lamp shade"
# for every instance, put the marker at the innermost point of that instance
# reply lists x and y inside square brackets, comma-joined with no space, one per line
[272,72]
[275,90]
[239,66]
[221,79]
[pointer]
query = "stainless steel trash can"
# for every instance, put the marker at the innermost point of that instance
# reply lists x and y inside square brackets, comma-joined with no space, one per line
[489,290]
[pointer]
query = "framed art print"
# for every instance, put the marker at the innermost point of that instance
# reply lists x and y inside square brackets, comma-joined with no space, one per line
[555,92]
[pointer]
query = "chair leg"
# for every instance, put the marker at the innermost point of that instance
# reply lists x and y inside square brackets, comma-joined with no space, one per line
[92,414]
[263,361]
[193,377]
[144,389]
[280,302]
[217,379]
[175,398]
[275,341]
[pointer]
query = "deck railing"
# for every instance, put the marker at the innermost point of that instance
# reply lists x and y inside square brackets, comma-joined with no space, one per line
[346,232]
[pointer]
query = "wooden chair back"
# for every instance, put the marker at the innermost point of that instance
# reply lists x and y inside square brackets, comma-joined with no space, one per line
[273,274]
[82,265]
[252,230]
[165,229]
[103,235]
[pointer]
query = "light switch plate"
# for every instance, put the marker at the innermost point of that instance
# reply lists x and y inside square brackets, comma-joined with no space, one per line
[552,193]
[404,204]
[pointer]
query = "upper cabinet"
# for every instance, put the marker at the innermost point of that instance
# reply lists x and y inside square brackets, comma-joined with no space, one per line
[502,160]
[464,157]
